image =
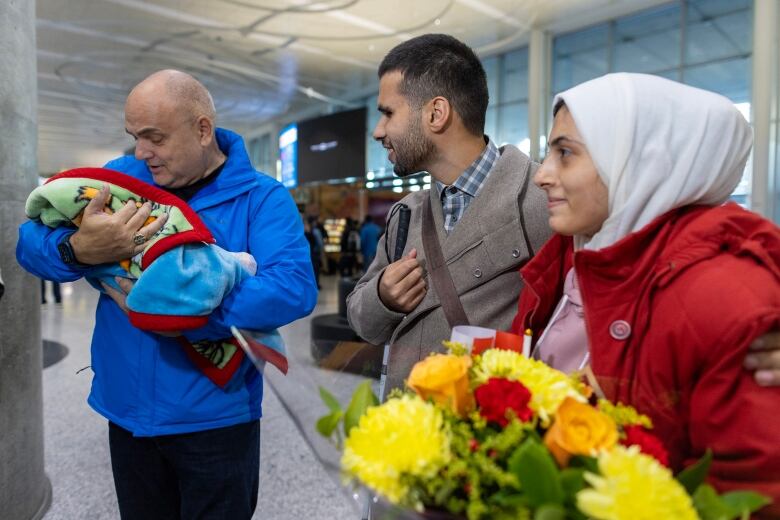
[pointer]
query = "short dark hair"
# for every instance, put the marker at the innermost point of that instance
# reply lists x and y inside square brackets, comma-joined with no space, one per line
[440,65]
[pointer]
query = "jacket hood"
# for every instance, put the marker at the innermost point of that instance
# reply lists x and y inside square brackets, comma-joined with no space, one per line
[237,177]
[681,238]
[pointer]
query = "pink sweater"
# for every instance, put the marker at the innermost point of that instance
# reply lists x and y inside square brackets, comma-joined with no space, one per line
[564,343]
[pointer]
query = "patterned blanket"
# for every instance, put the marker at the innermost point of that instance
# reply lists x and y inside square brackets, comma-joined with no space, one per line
[180,277]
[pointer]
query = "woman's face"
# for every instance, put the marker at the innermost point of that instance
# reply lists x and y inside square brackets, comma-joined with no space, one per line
[576,196]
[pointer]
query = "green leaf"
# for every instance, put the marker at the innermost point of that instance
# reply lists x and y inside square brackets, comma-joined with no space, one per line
[572,482]
[362,400]
[709,505]
[550,512]
[508,499]
[693,476]
[586,462]
[327,424]
[331,402]
[742,503]
[538,475]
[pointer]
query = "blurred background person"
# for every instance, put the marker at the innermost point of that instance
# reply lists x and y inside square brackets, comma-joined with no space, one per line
[369,238]
[56,292]
[350,246]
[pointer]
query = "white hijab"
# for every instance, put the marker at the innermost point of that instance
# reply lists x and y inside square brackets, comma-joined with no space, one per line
[658,145]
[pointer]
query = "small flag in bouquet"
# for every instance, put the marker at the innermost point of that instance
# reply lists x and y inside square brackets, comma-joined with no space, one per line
[479,339]
[262,348]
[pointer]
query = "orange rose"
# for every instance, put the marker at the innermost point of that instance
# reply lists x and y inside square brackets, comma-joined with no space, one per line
[579,429]
[445,380]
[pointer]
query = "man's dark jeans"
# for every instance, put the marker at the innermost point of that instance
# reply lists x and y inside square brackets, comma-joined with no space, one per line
[213,474]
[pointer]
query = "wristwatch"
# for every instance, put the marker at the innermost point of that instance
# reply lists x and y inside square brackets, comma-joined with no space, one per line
[65,250]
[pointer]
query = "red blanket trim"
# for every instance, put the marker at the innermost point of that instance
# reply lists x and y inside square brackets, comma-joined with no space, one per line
[199,233]
[218,376]
[165,244]
[165,322]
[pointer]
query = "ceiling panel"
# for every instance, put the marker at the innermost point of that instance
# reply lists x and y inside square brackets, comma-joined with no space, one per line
[261,59]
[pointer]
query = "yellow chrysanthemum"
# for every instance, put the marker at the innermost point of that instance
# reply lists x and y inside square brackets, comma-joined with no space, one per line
[549,387]
[403,436]
[633,486]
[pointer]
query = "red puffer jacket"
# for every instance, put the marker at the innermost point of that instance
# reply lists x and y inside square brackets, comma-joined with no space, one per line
[670,311]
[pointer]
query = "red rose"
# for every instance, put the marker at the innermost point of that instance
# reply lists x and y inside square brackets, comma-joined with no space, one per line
[648,443]
[498,395]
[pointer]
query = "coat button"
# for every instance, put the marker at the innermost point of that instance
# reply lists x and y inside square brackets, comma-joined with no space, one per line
[477,273]
[515,253]
[620,330]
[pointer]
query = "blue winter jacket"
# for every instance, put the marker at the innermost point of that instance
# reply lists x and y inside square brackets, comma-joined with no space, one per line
[144,382]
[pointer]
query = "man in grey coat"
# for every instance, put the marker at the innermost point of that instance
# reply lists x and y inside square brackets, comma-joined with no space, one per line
[489,217]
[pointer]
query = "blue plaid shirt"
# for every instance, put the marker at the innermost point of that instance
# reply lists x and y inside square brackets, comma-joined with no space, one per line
[457,197]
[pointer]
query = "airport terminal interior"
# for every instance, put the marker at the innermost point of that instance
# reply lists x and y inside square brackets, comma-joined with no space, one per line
[298,80]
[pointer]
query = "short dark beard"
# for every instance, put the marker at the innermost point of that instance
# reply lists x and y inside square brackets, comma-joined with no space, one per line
[414,150]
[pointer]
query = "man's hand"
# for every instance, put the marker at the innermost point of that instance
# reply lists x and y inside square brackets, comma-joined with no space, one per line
[402,286]
[764,358]
[104,238]
[120,297]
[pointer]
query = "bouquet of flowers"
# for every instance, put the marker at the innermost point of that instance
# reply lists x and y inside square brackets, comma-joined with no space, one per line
[496,435]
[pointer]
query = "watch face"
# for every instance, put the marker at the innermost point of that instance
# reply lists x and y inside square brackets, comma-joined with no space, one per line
[66,252]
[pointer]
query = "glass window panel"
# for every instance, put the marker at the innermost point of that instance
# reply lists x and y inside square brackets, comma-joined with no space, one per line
[648,42]
[578,41]
[699,9]
[712,38]
[492,72]
[580,67]
[514,76]
[513,127]
[730,78]
[580,56]
[491,121]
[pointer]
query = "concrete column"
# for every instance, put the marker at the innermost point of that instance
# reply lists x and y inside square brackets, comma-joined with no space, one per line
[25,491]
[539,60]
[764,105]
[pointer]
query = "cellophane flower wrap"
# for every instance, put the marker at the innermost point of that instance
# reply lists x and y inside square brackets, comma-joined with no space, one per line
[502,436]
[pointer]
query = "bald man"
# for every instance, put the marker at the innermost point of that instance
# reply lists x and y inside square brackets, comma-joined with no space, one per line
[181,447]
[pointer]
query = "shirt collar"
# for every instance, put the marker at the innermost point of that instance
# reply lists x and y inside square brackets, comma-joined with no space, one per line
[473,177]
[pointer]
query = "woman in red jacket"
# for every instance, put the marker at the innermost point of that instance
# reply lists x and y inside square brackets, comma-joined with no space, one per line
[653,282]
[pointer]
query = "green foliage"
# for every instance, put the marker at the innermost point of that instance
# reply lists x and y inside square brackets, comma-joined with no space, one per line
[330,401]
[328,425]
[742,503]
[693,476]
[538,475]
[550,512]
[730,506]
[362,400]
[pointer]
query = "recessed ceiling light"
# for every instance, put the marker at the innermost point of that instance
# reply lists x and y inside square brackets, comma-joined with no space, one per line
[437,22]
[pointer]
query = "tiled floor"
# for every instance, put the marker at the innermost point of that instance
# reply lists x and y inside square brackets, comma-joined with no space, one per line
[294,483]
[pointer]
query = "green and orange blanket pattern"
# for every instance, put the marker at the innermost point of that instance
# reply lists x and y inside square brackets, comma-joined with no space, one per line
[61,201]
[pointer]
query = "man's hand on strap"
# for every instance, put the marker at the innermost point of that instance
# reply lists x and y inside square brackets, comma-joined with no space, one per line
[104,238]
[120,297]
[402,286]
[764,358]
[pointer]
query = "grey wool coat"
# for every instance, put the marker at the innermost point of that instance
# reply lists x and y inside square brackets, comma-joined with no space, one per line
[500,230]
